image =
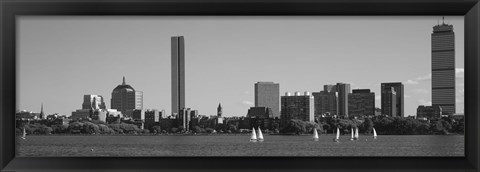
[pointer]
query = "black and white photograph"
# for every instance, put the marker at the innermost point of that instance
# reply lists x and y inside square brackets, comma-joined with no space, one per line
[240,86]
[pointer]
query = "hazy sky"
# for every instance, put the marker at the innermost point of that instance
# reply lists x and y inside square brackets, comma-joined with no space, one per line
[61,58]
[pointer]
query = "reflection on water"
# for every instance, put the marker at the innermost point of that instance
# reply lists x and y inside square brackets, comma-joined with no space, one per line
[221,145]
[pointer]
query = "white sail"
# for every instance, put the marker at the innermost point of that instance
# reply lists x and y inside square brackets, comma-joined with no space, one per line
[315,134]
[352,134]
[24,134]
[338,134]
[374,133]
[253,138]
[356,133]
[260,135]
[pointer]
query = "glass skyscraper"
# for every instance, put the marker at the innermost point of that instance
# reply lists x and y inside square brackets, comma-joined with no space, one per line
[178,74]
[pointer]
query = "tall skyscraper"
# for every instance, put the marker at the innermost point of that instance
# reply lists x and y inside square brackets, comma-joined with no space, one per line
[125,98]
[178,74]
[267,94]
[392,99]
[361,102]
[443,68]
[298,106]
[342,99]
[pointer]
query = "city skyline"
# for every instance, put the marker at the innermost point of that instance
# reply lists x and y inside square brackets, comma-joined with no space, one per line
[220,86]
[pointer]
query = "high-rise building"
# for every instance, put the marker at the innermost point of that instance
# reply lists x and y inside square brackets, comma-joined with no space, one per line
[91,101]
[298,106]
[178,73]
[184,118]
[392,107]
[361,102]
[343,90]
[267,94]
[325,101]
[125,98]
[443,68]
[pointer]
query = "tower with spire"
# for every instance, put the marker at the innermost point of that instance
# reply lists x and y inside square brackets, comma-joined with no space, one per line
[219,110]
[125,98]
[42,115]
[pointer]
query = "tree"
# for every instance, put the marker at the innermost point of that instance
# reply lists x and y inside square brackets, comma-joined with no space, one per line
[367,126]
[60,129]
[104,129]
[156,129]
[294,126]
[196,129]
[91,128]
[173,130]
[232,128]
[209,130]
[75,127]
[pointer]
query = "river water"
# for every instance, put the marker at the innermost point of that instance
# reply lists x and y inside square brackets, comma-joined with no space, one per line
[239,145]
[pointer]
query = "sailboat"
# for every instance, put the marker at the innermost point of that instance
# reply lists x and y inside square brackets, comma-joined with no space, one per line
[24,134]
[374,134]
[356,134]
[338,135]
[353,137]
[253,138]
[260,135]
[315,135]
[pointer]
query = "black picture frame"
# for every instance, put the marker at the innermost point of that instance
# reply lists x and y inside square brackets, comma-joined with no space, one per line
[9,9]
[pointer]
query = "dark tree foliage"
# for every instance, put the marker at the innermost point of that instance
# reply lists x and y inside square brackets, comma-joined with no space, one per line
[156,129]
[295,126]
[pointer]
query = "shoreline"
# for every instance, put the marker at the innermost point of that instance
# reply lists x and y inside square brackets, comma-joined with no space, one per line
[245,134]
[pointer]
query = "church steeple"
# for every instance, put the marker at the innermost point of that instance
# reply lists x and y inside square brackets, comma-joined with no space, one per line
[41,113]
[123,83]
[219,110]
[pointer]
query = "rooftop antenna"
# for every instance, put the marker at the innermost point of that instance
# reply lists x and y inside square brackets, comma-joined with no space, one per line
[123,80]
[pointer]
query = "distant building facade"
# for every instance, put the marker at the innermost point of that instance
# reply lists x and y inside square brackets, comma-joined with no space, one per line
[91,101]
[443,67]
[429,112]
[392,106]
[152,118]
[93,107]
[343,90]
[124,98]
[178,73]
[267,94]
[260,112]
[325,102]
[184,118]
[260,117]
[361,102]
[297,106]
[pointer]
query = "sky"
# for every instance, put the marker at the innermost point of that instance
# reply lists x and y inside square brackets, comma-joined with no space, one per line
[62,58]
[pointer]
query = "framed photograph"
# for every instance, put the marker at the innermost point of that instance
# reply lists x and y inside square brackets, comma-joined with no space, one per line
[239,85]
